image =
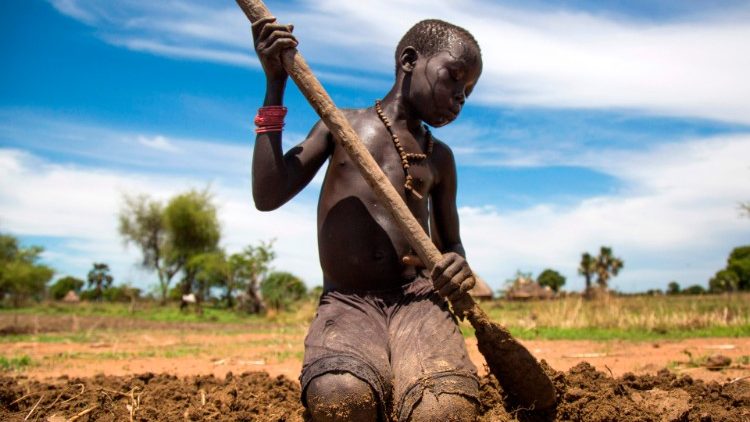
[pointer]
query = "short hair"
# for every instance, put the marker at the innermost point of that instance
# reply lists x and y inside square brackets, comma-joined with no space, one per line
[432,36]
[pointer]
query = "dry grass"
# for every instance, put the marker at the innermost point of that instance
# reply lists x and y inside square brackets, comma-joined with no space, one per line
[651,315]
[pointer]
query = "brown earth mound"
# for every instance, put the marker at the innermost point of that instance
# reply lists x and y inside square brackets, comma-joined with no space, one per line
[584,394]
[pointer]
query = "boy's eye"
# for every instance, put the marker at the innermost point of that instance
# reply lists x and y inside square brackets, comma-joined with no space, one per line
[456,74]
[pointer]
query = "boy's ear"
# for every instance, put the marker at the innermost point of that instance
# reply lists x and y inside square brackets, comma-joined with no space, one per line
[408,59]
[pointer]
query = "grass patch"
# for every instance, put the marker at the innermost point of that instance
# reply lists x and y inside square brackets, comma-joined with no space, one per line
[636,318]
[16,363]
[300,315]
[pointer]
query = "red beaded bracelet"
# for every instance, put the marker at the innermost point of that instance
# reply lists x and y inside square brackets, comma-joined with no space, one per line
[270,119]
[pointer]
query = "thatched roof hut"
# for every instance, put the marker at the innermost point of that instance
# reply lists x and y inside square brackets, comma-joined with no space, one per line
[71,297]
[481,290]
[527,289]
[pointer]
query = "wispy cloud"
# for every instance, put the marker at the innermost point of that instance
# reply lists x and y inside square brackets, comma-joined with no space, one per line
[538,57]
[158,142]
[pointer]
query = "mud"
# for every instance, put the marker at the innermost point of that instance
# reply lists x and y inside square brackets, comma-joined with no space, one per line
[583,393]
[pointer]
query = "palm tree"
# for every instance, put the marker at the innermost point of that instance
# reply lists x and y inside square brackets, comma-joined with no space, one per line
[587,268]
[606,266]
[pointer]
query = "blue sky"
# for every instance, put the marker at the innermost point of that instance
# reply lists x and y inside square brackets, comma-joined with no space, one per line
[594,123]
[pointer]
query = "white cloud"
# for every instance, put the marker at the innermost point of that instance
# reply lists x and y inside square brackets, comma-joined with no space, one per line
[675,218]
[79,205]
[158,142]
[547,58]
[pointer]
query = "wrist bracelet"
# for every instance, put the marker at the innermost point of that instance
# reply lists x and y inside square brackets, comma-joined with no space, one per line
[270,119]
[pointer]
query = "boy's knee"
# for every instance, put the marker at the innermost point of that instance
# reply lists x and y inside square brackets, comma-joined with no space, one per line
[340,397]
[444,407]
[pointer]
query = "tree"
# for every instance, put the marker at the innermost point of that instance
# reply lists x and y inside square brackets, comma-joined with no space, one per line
[250,268]
[551,278]
[736,274]
[606,266]
[673,288]
[193,228]
[142,222]
[21,275]
[587,268]
[281,289]
[724,281]
[169,236]
[209,270]
[62,286]
[99,279]
[739,263]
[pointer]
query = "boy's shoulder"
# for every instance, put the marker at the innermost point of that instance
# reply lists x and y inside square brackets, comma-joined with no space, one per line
[441,152]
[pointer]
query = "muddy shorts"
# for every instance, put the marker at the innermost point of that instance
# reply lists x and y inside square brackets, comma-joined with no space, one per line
[399,341]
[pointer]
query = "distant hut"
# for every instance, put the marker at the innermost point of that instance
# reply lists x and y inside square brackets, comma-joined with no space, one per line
[71,297]
[527,289]
[481,290]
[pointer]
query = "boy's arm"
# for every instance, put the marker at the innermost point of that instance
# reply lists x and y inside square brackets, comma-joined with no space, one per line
[277,177]
[452,275]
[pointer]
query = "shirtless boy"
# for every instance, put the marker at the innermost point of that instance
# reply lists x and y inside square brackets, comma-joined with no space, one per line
[383,345]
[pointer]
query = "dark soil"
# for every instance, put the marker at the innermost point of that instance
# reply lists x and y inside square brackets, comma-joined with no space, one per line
[584,394]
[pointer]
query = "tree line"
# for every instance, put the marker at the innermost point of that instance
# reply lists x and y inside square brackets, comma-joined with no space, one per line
[179,241]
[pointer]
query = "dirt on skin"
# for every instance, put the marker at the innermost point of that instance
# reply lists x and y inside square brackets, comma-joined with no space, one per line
[583,393]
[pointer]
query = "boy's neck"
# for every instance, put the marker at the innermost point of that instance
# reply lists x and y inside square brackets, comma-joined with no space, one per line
[396,108]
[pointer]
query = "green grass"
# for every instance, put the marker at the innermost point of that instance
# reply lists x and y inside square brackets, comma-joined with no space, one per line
[302,313]
[145,311]
[633,318]
[606,334]
[176,351]
[16,363]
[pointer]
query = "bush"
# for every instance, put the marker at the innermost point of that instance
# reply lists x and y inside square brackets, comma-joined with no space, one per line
[695,289]
[673,288]
[282,289]
[62,286]
[121,294]
[21,276]
[552,279]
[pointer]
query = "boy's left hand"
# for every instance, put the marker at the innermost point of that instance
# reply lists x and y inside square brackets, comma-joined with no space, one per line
[452,276]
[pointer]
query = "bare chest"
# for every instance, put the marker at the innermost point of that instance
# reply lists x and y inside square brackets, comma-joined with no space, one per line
[390,158]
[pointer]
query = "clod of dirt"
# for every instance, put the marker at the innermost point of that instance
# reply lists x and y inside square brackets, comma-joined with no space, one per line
[10,330]
[717,362]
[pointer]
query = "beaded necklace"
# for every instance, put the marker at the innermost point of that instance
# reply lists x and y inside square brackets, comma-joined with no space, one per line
[405,156]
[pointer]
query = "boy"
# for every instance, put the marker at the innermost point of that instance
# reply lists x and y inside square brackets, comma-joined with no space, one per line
[383,344]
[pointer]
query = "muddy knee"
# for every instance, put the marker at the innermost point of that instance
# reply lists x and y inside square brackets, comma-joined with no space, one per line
[444,407]
[340,397]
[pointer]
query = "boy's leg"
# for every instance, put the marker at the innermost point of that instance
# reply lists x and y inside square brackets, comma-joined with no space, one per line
[345,373]
[433,376]
[335,397]
[444,407]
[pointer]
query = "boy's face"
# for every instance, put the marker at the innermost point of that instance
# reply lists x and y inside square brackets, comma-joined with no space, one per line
[441,83]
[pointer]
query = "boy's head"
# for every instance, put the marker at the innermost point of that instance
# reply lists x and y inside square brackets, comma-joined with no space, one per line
[432,36]
[442,63]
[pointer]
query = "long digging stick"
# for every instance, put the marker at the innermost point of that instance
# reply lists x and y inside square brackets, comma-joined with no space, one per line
[517,371]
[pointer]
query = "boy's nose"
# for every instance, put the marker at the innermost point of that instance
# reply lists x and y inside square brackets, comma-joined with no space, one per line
[460,97]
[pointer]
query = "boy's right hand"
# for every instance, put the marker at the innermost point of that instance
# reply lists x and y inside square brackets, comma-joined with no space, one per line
[271,39]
